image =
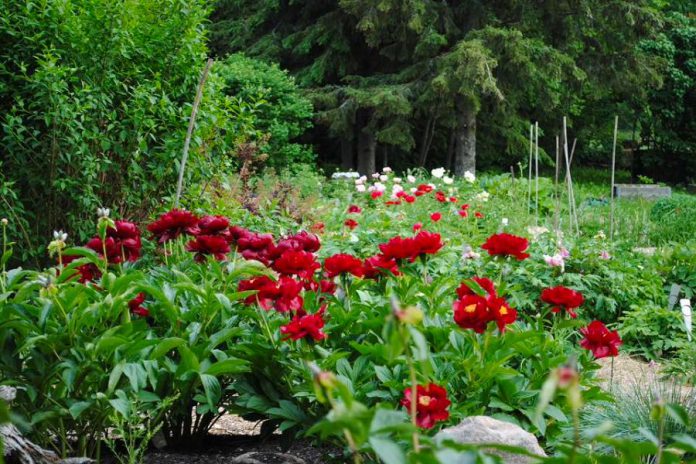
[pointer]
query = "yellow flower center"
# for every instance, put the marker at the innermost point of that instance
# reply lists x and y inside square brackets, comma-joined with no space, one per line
[503,311]
[424,400]
[470,308]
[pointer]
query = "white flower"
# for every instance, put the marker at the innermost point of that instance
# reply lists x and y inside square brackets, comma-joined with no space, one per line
[397,180]
[537,231]
[60,235]
[447,180]
[4,221]
[359,181]
[360,188]
[380,187]
[386,169]
[469,177]
[433,186]
[439,172]
[410,178]
[397,188]
[414,189]
[383,178]
[375,175]
[504,222]
[600,235]
[483,196]
[103,212]
[344,175]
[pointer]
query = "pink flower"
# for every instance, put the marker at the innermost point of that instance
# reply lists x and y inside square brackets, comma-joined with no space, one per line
[605,255]
[554,261]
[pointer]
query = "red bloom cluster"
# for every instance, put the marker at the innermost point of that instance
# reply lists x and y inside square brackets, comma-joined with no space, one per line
[474,311]
[354,209]
[209,245]
[253,246]
[424,243]
[172,224]
[506,245]
[283,295]
[422,189]
[343,263]
[350,223]
[378,265]
[600,340]
[303,325]
[431,404]
[562,298]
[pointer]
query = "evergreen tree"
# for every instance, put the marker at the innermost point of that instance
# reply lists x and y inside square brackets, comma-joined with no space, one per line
[462,76]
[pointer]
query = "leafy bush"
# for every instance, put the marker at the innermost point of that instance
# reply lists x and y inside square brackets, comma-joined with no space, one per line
[282,113]
[94,104]
[673,218]
[653,331]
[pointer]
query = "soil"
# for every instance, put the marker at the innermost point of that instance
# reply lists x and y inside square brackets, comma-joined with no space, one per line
[234,440]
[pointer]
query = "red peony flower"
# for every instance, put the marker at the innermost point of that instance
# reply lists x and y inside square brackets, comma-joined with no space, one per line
[436,216]
[318,227]
[479,215]
[378,265]
[471,312]
[452,199]
[351,223]
[253,246]
[300,263]
[204,245]
[87,272]
[392,202]
[343,263]
[440,196]
[172,224]
[283,295]
[354,209]
[399,248]
[302,241]
[427,243]
[463,213]
[431,404]
[136,307]
[127,240]
[484,282]
[562,298]
[409,198]
[417,226]
[424,188]
[600,340]
[376,194]
[304,325]
[506,245]
[212,225]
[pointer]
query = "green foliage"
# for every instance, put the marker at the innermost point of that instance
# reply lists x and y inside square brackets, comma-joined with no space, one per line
[653,331]
[281,113]
[673,218]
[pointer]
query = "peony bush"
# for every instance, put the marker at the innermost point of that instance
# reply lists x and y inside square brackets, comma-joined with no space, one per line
[410,306]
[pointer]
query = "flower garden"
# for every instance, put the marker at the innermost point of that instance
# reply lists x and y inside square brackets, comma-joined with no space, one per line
[394,308]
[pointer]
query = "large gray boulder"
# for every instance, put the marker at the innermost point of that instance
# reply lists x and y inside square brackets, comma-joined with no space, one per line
[486,430]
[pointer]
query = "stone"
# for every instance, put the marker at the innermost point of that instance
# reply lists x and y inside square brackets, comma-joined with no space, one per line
[19,450]
[641,191]
[483,429]
[256,457]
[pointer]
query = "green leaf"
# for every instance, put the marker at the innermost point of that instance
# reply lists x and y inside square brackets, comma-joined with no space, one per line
[228,366]
[76,409]
[165,346]
[387,450]
[212,389]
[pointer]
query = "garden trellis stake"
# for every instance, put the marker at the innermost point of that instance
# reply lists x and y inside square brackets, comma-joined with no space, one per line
[189,132]
[686,312]
[529,177]
[536,171]
[571,197]
[613,170]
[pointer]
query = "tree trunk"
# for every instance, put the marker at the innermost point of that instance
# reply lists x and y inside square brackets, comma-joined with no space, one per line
[347,156]
[465,144]
[367,144]
[450,149]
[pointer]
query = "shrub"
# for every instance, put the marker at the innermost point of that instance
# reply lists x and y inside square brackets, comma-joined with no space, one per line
[673,218]
[282,113]
[653,331]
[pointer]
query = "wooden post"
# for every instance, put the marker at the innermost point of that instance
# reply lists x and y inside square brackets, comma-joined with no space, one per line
[536,170]
[189,132]
[556,193]
[613,170]
[571,197]
[529,177]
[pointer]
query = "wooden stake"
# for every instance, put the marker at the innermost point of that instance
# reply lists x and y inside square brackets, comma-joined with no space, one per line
[529,177]
[556,193]
[571,197]
[189,132]
[536,170]
[613,170]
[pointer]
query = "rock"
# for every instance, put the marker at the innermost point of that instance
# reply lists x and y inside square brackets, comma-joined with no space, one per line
[19,450]
[256,457]
[641,191]
[483,429]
